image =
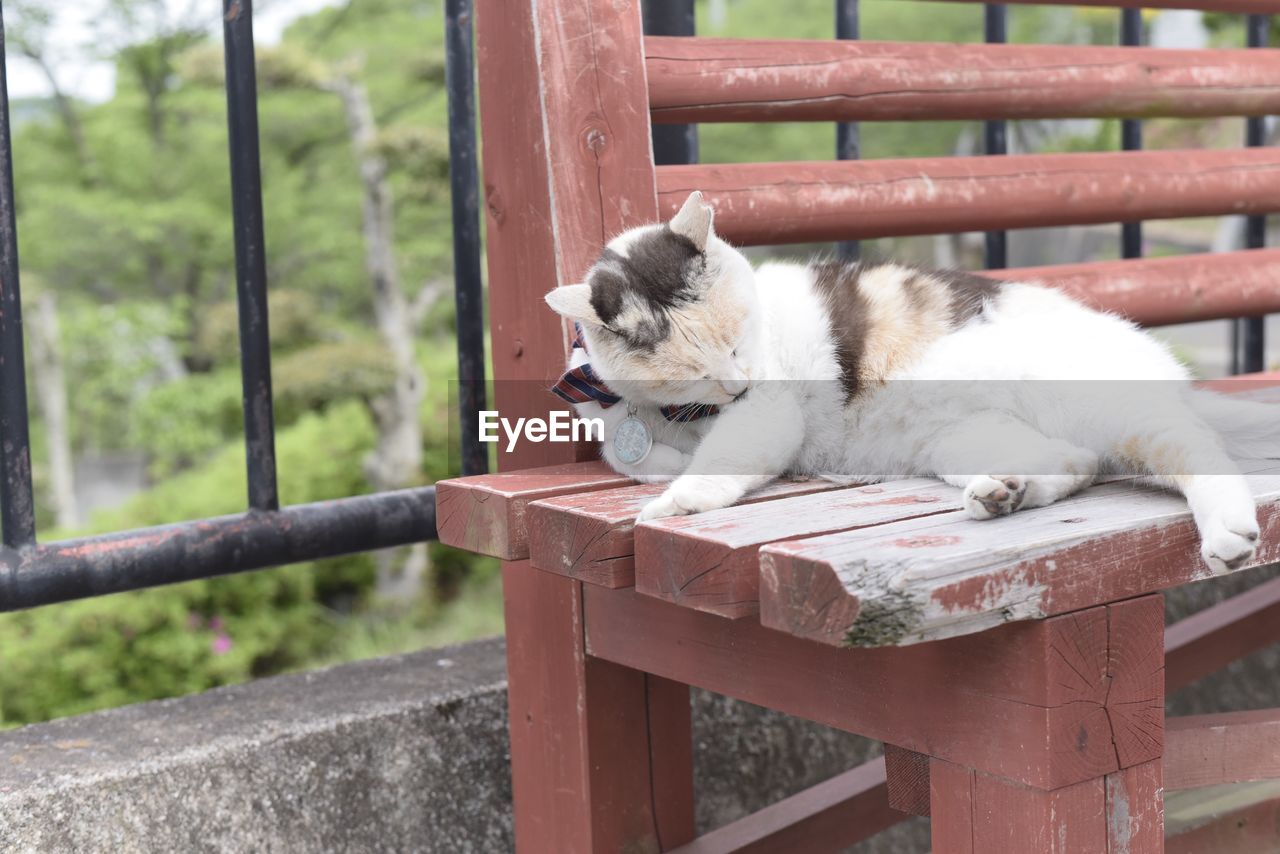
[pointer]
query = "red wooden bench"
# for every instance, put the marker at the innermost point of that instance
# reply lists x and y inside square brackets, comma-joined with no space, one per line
[1035,722]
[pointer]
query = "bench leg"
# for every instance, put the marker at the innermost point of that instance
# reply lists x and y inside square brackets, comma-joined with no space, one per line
[601,754]
[973,812]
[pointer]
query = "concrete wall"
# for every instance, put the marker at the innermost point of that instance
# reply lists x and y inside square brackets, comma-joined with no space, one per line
[397,754]
[405,754]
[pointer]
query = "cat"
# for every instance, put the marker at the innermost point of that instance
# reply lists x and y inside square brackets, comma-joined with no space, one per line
[875,371]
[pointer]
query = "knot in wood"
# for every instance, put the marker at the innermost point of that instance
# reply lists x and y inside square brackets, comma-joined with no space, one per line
[595,139]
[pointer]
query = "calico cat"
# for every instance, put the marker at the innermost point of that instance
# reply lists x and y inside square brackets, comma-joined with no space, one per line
[730,376]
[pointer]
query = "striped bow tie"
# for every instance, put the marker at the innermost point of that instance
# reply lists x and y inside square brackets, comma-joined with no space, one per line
[580,384]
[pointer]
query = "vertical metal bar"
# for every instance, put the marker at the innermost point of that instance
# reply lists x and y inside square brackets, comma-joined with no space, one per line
[848,138]
[17,504]
[251,262]
[465,194]
[672,144]
[1131,132]
[1249,339]
[995,133]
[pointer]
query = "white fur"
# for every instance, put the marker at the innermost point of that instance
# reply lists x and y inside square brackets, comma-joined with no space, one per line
[989,406]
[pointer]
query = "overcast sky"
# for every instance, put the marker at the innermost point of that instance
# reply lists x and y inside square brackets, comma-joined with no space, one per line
[96,80]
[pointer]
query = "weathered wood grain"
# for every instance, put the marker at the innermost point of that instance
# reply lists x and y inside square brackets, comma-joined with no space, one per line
[1135,809]
[1045,682]
[830,816]
[1120,813]
[1135,678]
[488,513]
[1231,747]
[946,575]
[753,80]
[769,203]
[1070,820]
[710,561]
[591,537]
[951,795]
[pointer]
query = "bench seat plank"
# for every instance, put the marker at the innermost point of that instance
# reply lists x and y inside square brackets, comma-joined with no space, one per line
[946,575]
[710,562]
[487,513]
[590,537]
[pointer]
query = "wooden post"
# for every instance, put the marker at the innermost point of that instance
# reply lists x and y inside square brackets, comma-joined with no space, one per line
[601,753]
[973,812]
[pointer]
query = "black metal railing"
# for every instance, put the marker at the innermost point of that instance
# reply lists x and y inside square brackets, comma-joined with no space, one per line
[995,134]
[847,138]
[1131,132]
[17,504]
[464,188]
[1248,334]
[33,573]
[672,144]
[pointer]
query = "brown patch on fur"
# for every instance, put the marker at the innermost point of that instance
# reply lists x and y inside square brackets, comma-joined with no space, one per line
[907,310]
[1162,458]
[883,316]
[969,293]
[848,314]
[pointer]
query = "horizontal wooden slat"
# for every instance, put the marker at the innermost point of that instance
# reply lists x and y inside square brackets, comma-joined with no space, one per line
[1199,751]
[486,513]
[1070,704]
[1232,747]
[946,575]
[1161,291]
[1211,639]
[771,203]
[710,561]
[830,816]
[591,537]
[1225,820]
[1252,7]
[752,80]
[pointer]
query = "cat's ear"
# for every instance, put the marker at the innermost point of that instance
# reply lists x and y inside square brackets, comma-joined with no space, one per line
[694,220]
[574,302]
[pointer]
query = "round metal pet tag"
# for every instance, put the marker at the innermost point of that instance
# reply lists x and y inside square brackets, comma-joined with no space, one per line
[632,441]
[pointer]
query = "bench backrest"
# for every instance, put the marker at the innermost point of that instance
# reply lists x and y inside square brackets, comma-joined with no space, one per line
[568,89]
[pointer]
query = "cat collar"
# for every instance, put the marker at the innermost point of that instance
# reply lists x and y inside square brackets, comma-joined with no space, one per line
[580,384]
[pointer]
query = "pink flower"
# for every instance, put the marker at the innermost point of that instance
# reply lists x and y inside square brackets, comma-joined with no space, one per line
[221,644]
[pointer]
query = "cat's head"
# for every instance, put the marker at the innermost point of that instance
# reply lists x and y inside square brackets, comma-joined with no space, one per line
[669,312]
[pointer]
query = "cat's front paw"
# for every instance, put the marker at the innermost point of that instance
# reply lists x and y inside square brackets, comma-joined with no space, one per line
[660,508]
[691,495]
[1229,542]
[988,496]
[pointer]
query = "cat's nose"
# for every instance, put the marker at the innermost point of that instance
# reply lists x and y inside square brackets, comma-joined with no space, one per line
[734,387]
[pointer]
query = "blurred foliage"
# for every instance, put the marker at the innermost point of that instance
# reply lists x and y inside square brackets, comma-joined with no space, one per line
[136,240]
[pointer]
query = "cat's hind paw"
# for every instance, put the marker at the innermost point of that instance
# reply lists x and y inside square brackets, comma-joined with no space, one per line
[1228,544]
[989,496]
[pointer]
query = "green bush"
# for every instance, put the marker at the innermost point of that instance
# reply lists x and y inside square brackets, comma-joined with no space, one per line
[98,653]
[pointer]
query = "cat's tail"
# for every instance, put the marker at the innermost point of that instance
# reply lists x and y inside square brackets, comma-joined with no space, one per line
[1249,429]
